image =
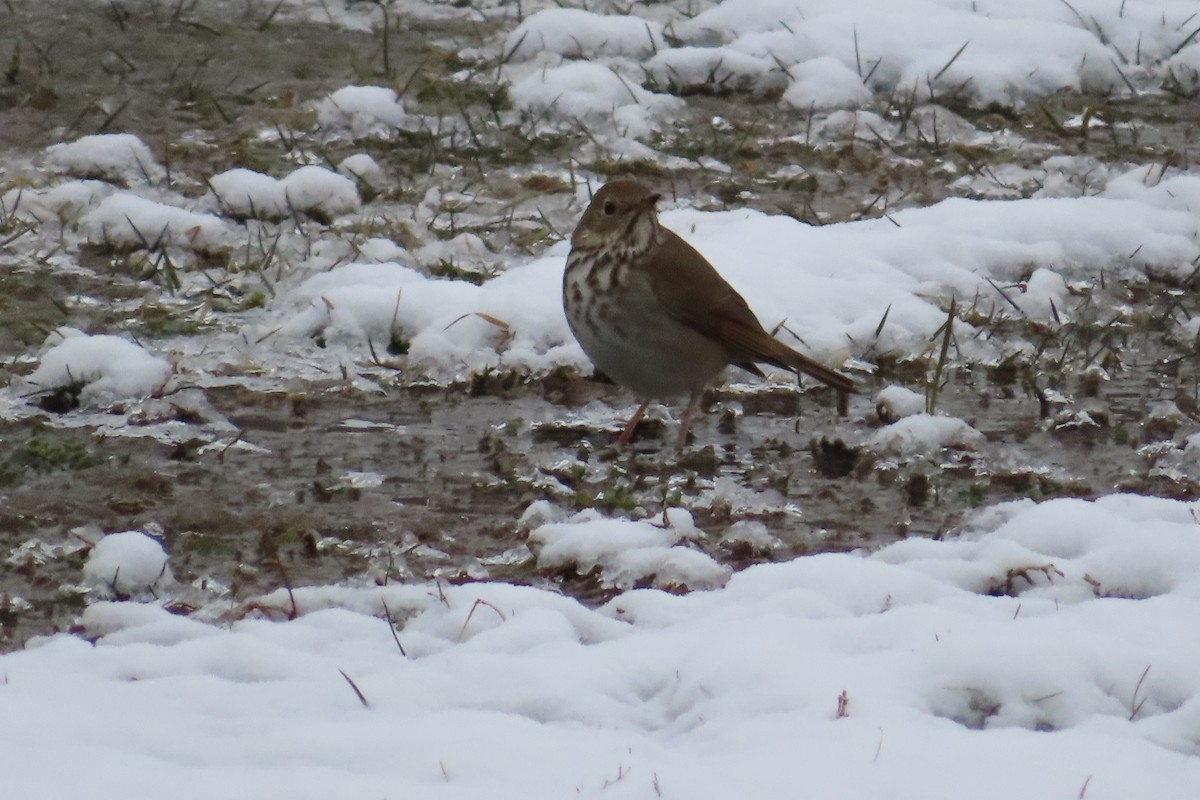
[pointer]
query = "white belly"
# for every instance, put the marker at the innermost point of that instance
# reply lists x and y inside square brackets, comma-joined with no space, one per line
[633,340]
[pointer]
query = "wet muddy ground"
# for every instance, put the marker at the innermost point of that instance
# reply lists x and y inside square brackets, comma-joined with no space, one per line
[431,480]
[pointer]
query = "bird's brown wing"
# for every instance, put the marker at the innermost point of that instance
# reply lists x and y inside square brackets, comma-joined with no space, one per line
[693,292]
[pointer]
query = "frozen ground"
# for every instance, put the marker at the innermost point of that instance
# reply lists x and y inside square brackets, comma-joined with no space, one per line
[284,362]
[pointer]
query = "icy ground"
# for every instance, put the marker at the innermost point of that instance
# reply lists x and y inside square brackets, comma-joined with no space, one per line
[212,267]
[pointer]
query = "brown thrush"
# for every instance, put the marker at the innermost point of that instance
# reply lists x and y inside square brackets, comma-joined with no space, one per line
[654,315]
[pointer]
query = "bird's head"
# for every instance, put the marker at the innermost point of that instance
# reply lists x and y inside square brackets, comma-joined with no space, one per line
[621,215]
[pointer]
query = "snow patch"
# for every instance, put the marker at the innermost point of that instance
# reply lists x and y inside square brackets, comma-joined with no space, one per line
[628,552]
[127,220]
[109,367]
[120,157]
[127,564]
[361,111]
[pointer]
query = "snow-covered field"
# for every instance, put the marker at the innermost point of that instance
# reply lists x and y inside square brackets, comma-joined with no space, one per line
[1048,651]
[1039,649]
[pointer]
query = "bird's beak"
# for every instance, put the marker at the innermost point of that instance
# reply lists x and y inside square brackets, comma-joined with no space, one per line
[652,200]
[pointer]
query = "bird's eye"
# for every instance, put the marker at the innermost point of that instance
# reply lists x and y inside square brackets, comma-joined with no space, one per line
[610,208]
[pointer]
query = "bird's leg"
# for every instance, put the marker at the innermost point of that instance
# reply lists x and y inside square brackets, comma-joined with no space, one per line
[627,434]
[686,420]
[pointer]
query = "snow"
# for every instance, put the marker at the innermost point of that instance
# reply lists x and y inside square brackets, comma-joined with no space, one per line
[120,157]
[973,250]
[361,167]
[574,33]
[981,52]
[109,367]
[589,92]
[987,51]
[445,322]
[361,111]
[1048,652]
[628,552]
[127,220]
[249,194]
[689,68]
[246,193]
[896,402]
[64,201]
[825,83]
[314,188]
[129,563]
[925,433]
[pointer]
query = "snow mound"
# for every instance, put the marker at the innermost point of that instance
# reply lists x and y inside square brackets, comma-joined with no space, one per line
[361,167]
[109,367]
[925,433]
[126,220]
[714,69]
[316,189]
[1002,54]
[127,564]
[574,33]
[629,552]
[585,91]
[65,201]
[361,111]
[246,193]
[120,157]
[895,402]
[447,325]
[824,83]
[832,283]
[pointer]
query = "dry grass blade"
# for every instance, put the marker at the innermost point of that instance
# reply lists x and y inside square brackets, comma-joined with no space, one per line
[950,63]
[1128,83]
[12,238]
[479,601]
[1133,701]
[1184,43]
[935,385]
[506,331]
[392,627]
[1054,123]
[1008,299]
[361,698]
[1078,16]
[858,56]
[266,21]
[108,121]
[883,320]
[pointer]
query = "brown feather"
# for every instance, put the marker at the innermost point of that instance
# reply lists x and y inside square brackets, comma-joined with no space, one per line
[692,291]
